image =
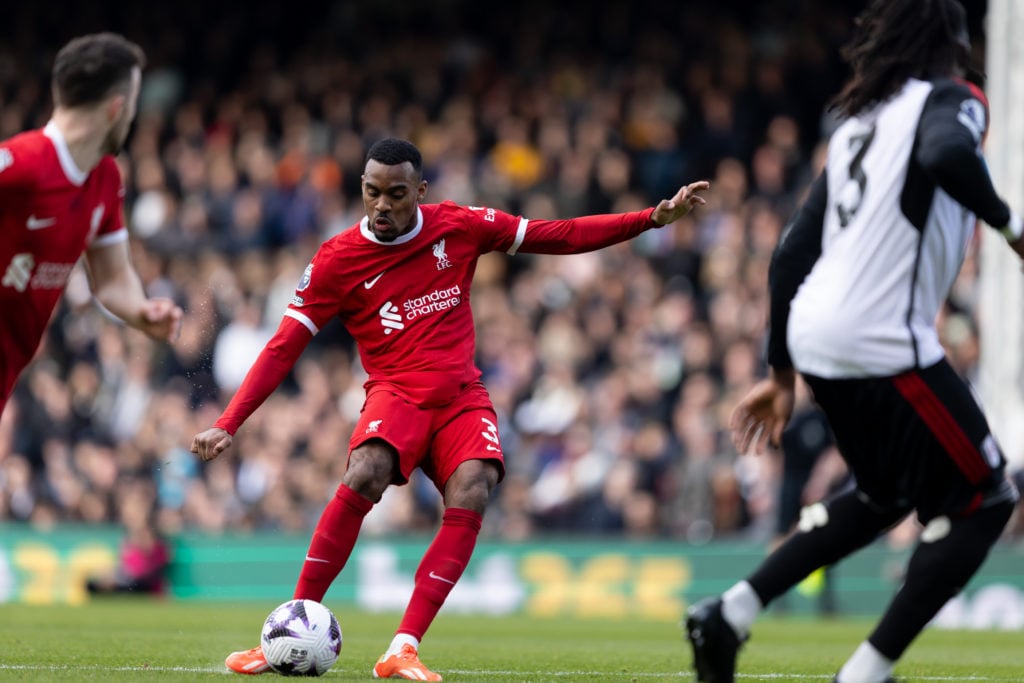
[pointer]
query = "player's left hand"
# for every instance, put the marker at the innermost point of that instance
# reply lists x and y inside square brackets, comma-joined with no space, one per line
[161,319]
[670,210]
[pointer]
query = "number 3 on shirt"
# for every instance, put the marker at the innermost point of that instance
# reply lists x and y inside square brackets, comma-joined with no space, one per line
[852,193]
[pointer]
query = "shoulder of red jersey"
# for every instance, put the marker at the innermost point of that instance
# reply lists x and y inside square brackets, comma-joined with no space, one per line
[109,172]
[449,209]
[347,237]
[29,140]
[444,208]
[19,155]
[108,164]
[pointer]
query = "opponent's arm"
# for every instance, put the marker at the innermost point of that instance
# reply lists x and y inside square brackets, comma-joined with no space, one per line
[761,416]
[953,124]
[798,250]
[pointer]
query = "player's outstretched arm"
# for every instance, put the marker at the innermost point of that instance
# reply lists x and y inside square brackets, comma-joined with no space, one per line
[271,367]
[588,233]
[685,200]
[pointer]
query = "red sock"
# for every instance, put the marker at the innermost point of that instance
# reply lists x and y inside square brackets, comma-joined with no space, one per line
[333,538]
[440,568]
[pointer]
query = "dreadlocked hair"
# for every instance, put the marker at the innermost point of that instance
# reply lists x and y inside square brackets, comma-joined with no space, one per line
[899,39]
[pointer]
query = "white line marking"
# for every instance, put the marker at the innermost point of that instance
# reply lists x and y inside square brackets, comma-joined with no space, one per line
[485,673]
[96,667]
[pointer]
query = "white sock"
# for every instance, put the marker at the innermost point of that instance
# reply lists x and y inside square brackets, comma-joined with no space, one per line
[400,640]
[867,665]
[740,607]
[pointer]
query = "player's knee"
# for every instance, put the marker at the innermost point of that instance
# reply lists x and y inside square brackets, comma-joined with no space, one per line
[471,484]
[990,521]
[954,548]
[371,469]
[981,528]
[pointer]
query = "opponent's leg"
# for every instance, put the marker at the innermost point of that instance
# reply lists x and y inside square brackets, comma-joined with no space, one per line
[826,533]
[949,553]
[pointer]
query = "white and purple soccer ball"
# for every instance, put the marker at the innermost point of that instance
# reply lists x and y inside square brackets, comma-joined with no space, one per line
[301,638]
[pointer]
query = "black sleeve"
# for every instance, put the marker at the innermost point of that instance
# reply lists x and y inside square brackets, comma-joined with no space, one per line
[798,250]
[952,125]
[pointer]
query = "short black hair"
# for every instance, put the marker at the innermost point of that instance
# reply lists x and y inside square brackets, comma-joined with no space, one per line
[395,151]
[91,67]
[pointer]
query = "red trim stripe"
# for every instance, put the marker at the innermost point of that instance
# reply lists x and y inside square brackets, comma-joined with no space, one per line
[943,426]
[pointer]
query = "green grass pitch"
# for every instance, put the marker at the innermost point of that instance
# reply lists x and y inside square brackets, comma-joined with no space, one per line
[142,640]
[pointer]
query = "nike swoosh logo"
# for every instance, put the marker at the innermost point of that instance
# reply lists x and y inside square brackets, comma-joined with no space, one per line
[371,283]
[441,578]
[34,223]
[316,559]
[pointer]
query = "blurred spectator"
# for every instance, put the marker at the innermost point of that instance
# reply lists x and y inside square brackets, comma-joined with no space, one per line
[144,555]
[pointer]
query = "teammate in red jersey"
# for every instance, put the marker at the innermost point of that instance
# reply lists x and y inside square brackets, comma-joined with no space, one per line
[399,280]
[61,194]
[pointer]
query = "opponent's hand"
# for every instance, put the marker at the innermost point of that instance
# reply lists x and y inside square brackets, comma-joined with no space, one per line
[670,210]
[161,319]
[1018,246]
[761,416]
[211,443]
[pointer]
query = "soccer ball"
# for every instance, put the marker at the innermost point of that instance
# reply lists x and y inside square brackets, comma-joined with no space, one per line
[301,638]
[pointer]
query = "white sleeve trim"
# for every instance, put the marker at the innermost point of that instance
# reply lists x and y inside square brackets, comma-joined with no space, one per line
[520,236]
[110,238]
[307,323]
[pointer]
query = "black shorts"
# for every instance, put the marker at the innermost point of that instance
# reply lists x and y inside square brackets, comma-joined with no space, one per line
[916,440]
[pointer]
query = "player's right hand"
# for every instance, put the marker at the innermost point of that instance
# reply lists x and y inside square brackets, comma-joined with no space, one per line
[161,319]
[211,443]
[761,416]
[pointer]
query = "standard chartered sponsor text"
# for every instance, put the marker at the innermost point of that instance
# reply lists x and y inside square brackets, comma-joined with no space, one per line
[438,300]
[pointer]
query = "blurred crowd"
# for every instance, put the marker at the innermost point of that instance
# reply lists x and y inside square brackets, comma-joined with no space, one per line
[613,373]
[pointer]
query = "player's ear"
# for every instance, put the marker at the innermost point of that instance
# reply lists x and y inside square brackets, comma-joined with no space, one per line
[421,191]
[115,105]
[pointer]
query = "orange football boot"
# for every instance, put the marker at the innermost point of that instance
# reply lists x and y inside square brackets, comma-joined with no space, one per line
[248,661]
[406,665]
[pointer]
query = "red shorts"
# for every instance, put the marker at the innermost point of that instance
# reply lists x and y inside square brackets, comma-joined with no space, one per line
[437,440]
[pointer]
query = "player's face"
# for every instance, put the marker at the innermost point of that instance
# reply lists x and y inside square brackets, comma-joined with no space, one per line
[390,196]
[122,124]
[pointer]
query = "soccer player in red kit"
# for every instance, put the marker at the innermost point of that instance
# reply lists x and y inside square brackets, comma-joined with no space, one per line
[61,196]
[399,280]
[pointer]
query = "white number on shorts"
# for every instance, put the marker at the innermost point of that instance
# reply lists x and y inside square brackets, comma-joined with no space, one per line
[491,435]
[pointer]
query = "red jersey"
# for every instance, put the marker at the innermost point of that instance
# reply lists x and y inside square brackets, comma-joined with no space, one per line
[406,302]
[50,211]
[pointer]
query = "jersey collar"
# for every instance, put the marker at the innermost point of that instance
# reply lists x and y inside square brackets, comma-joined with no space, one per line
[75,175]
[364,227]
